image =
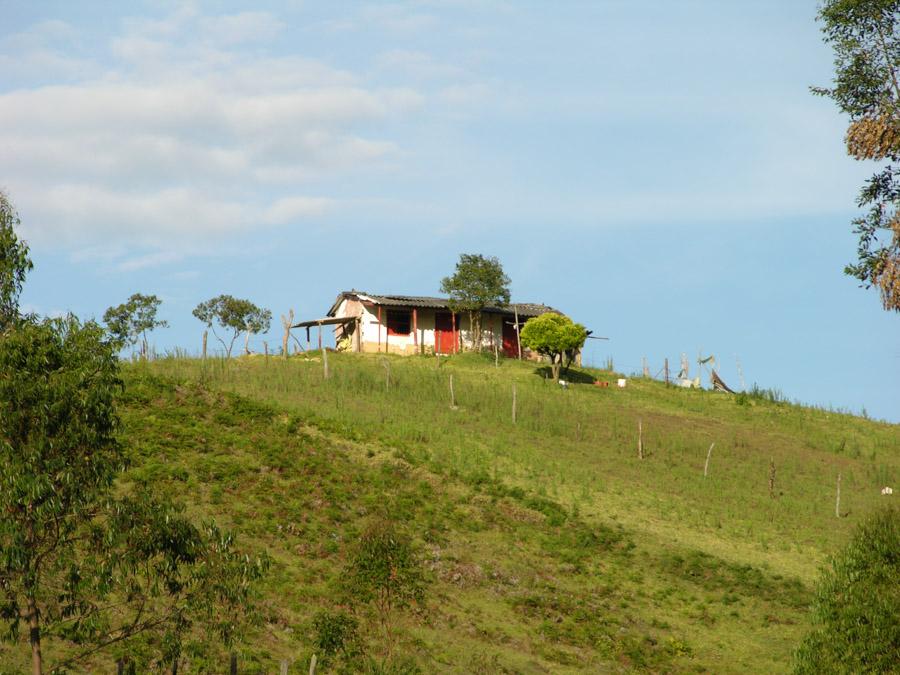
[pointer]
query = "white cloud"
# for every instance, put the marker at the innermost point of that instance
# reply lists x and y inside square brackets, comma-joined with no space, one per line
[187,138]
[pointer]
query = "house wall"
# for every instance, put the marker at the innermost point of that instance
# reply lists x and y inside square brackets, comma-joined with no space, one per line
[374,338]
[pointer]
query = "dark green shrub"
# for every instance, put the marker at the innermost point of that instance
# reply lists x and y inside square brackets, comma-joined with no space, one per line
[336,632]
[856,624]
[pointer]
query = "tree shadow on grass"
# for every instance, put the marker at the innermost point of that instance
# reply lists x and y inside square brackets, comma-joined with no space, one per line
[573,375]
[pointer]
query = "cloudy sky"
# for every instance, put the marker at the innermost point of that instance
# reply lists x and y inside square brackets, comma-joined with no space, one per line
[658,170]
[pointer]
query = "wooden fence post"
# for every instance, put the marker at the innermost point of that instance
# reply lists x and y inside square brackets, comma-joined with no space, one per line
[640,440]
[284,667]
[204,343]
[452,395]
[708,454]
[312,665]
[837,503]
[666,369]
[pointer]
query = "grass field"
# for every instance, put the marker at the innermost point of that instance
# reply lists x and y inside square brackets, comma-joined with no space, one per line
[548,545]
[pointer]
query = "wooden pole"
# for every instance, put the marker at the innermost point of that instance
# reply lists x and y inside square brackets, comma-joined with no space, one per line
[324,354]
[708,454]
[514,403]
[284,667]
[666,368]
[453,330]
[496,356]
[452,395]
[307,339]
[772,478]
[312,665]
[266,350]
[205,334]
[518,341]
[415,329]
[379,327]
[640,440]
[286,322]
[646,369]
[837,503]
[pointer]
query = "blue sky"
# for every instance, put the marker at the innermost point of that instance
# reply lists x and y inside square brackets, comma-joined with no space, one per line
[659,171]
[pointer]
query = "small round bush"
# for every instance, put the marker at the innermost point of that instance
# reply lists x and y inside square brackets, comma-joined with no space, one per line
[856,622]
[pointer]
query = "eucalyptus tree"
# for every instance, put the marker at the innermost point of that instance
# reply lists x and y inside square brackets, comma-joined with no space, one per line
[235,315]
[15,262]
[85,557]
[866,44]
[130,322]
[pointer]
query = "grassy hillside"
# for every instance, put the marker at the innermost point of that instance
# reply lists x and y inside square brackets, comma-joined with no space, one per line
[547,544]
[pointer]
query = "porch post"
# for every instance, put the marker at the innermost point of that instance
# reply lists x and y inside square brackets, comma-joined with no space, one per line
[379,328]
[415,329]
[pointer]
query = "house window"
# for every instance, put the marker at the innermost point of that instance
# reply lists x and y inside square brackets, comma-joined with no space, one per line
[398,321]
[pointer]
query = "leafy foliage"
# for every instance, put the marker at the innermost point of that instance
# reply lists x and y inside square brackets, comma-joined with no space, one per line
[385,570]
[130,322]
[857,605]
[554,336]
[14,262]
[867,59]
[233,314]
[77,563]
[478,282]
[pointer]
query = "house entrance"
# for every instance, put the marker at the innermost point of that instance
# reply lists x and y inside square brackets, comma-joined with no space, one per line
[510,339]
[444,333]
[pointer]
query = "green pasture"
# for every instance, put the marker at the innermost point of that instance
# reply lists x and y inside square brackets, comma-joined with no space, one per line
[550,545]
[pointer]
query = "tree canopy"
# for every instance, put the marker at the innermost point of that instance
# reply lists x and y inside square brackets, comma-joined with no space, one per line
[856,612]
[554,336]
[130,322]
[863,35]
[478,282]
[78,562]
[14,262]
[234,314]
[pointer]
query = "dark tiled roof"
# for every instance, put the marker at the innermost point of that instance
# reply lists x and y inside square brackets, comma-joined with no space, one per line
[523,308]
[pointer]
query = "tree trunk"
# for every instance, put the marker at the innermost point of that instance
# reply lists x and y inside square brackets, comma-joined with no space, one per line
[247,341]
[555,363]
[34,637]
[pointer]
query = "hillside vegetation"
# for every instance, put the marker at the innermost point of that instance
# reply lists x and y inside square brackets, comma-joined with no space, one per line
[546,543]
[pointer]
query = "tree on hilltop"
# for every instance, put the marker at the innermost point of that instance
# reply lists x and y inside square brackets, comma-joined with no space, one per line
[130,322]
[236,315]
[866,44]
[555,336]
[478,282]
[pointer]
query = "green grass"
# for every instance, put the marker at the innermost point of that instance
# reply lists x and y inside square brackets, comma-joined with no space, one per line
[548,545]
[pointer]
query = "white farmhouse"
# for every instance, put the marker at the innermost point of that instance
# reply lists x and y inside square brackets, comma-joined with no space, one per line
[404,324]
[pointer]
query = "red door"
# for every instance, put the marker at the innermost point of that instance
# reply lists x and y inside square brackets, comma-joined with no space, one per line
[510,338]
[444,333]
